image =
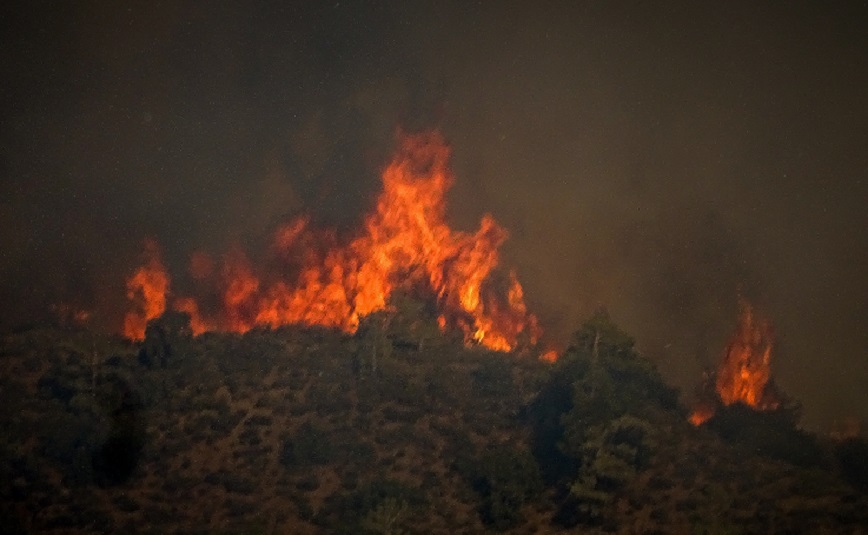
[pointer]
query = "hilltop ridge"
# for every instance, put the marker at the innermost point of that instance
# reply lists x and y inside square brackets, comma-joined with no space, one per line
[396,429]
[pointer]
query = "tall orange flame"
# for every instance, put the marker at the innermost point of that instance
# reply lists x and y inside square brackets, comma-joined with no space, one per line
[745,370]
[404,244]
[744,373]
[147,289]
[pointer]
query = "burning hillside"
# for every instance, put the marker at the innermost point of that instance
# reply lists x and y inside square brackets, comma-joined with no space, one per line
[744,374]
[405,243]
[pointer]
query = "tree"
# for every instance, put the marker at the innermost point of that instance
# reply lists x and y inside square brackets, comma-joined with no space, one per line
[591,419]
[506,479]
[611,456]
[600,336]
[166,337]
[614,379]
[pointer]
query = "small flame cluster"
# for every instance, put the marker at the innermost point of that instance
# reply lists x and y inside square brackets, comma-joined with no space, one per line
[404,244]
[744,373]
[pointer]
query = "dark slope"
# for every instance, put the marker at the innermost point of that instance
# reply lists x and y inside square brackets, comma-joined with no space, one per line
[396,430]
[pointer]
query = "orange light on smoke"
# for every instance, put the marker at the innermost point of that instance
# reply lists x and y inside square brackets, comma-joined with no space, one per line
[550,356]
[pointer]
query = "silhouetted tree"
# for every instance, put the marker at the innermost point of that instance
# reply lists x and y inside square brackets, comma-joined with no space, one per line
[592,416]
[166,337]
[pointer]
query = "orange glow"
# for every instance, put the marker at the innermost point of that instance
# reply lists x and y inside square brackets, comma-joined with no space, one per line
[549,356]
[189,305]
[201,265]
[405,243]
[69,315]
[701,414]
[239,292]
[147,289]
[746,367]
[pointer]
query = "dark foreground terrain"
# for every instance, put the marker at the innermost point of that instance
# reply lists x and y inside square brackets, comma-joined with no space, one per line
[398,429]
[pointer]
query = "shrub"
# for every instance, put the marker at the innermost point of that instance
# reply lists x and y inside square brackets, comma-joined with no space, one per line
[771,433]
[379,504]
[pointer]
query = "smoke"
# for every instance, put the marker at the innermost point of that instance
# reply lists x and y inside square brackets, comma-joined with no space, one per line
[653,159]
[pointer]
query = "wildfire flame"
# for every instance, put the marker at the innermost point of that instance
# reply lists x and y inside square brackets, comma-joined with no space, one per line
[746,367]
[404,244]
[745,370]
[146,288]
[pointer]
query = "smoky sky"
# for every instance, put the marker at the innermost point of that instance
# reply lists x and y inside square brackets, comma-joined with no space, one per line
[655,158]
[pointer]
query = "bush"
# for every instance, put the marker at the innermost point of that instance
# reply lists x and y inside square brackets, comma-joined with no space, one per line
[771,433]
[372,508]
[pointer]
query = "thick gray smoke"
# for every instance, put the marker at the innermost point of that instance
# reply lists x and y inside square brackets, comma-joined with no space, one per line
[654,159]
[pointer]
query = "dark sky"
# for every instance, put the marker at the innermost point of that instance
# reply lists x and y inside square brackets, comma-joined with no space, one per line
[653,157]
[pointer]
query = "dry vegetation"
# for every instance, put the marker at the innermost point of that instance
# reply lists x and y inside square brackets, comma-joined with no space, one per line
[311,431]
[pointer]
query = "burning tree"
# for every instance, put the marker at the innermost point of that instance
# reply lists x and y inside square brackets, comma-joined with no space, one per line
[744,373]
[741,403]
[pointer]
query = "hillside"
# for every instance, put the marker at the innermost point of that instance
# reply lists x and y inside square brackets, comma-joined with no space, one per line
[397,429]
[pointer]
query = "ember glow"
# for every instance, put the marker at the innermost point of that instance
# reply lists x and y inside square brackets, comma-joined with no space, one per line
[701,414]
[745,370]
[70,315]
[404,244]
